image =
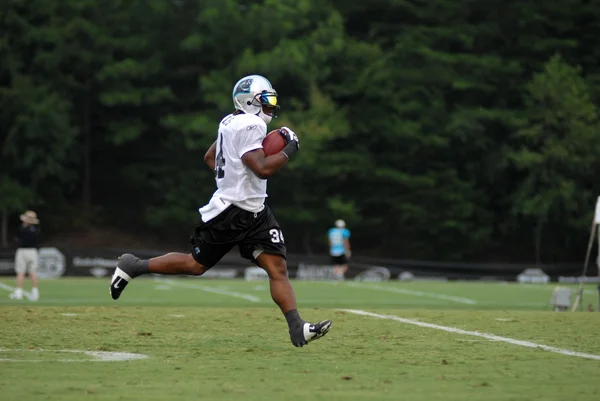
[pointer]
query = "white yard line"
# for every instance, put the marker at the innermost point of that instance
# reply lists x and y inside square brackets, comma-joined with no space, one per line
[219,291]
[415,293]
[11,289]
[491,337]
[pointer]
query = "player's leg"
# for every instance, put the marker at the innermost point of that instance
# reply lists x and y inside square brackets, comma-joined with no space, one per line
[130,266]
[301,332]
[264,244]
[204,255]
[282,292]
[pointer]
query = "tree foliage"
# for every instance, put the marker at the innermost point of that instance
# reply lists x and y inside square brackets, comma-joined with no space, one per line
[446,130]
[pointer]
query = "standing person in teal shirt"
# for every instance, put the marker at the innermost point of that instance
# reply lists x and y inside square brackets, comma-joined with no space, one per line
[339,248]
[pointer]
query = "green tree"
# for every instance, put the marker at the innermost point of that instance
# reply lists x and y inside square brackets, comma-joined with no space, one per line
[559,151]
[36,132]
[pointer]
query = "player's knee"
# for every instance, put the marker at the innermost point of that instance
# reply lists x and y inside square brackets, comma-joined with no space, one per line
[194,268]
[278,270]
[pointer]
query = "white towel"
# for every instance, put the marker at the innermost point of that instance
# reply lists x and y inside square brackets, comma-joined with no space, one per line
[214,208]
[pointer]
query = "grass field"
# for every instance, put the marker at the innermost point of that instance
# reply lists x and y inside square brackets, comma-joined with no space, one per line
[226,340]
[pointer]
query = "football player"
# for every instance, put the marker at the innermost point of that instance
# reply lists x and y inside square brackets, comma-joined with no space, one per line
[237,214]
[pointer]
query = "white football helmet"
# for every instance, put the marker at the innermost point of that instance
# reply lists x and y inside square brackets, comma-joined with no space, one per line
[254,94]
[340,223]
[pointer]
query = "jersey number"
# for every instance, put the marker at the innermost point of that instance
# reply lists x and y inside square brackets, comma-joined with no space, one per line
[220,162]
[276,236]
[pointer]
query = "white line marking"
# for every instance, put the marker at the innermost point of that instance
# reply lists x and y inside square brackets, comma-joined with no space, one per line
[415,293]
[476,334]
[163,287]
[219,291]
[415,301]
[9,288]
[69,314]
[98,356]
[89,301]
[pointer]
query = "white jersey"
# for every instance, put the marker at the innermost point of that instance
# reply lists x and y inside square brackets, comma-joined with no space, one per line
[236,183]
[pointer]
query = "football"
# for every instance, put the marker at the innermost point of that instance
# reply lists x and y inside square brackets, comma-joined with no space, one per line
[273,143]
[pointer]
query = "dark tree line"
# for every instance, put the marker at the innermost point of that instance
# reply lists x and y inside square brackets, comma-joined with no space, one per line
[436,129]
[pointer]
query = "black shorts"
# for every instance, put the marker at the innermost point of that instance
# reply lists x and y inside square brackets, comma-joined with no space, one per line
[339,260]
[235,226]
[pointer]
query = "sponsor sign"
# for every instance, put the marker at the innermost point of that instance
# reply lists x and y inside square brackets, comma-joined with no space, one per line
[220,273]
[100,262]
[406,276]
[7,266]
[374,274]
[573,280]
[96,266]
[314,272]
[255,274]
[536,276]
[52,263]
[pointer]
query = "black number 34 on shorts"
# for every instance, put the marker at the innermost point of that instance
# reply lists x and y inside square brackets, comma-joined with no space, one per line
[234,226]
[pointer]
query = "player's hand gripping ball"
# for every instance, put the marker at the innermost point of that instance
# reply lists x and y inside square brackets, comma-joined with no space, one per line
[289,136]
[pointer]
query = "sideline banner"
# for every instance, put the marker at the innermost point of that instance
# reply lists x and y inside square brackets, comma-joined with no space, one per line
[100,262]
[52,263]
[89,262]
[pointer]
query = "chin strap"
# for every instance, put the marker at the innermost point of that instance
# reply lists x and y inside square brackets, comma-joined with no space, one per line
[258,115]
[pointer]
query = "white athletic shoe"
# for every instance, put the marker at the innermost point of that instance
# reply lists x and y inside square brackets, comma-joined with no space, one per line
[310,332]
[35,294]
[16,294]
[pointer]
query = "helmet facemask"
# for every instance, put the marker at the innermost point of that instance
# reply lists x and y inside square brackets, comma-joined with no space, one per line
[267,102]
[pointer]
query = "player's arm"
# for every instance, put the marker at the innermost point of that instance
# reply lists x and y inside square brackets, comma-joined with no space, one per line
[265,166]
[209,157]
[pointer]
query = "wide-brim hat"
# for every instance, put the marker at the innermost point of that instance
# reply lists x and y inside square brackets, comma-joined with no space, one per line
[30,217]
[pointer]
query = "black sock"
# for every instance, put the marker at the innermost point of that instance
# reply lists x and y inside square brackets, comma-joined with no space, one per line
[293,318]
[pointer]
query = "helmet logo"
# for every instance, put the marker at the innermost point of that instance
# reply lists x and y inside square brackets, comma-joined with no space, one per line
[244,86]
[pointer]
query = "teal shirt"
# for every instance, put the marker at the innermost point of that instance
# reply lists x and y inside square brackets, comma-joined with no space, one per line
[336,239]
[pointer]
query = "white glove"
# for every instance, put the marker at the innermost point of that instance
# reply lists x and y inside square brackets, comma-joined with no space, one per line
[289,135]
[291,139]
